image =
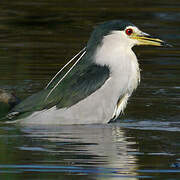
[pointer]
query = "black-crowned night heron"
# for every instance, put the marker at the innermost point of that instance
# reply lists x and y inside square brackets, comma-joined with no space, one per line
[97,87]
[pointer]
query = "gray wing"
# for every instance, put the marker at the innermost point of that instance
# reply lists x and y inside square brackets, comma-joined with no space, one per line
[82,81]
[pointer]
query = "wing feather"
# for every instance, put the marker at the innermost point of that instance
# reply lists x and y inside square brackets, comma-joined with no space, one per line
[81,81]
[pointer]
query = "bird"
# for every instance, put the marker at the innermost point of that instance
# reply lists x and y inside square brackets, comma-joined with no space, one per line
[96,88]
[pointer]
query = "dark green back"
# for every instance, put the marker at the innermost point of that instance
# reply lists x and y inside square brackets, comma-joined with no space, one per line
[82,81]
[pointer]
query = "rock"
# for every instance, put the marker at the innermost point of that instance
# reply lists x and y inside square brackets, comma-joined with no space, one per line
[7,101]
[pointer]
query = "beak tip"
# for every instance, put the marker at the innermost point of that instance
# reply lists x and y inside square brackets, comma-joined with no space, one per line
[166,44]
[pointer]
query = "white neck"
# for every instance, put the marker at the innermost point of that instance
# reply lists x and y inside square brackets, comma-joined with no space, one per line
[116,53]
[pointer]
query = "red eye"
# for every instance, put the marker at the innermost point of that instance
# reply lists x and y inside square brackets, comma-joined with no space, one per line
[129,31]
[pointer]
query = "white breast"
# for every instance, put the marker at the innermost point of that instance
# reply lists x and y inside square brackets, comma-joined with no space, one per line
[123,65]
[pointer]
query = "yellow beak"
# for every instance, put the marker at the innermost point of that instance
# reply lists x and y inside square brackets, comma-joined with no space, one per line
[146,39]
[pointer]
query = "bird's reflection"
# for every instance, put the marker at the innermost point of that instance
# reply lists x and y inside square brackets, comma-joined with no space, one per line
[102,149]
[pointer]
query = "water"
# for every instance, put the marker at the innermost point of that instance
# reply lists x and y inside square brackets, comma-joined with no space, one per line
[88,151]
[39,37]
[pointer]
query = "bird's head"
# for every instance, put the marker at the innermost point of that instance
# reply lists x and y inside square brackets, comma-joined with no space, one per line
[124,32]
[112,41]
